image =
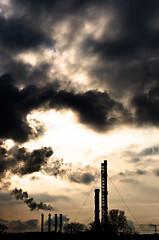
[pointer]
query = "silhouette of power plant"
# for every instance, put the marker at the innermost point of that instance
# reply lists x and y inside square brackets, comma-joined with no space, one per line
[104,206]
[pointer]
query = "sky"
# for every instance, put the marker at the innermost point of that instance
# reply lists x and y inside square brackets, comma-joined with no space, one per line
[79,83]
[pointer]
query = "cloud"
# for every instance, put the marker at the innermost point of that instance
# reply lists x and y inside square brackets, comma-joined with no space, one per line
[21,226]
[129,180]
[146,107]
[131,176]
[149,151]
[19,194]
[20,161]
[85,178]
[94,109]
[49,198]
[5,196]
[13,122]
[17,35]
[57,168]
[156,172]
[133,173]
[127,78]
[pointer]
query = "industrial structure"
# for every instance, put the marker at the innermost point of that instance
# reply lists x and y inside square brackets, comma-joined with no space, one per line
[104,195]
[42,222]
[49,223]
[104,200]
[55,222]
[104,206]
[96,215]
[60,223]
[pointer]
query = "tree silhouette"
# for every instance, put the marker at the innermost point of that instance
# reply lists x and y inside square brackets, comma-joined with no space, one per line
[3,228]
[117,222]
[74,227]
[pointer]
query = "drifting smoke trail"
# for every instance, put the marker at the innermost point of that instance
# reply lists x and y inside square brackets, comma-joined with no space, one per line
[20,195]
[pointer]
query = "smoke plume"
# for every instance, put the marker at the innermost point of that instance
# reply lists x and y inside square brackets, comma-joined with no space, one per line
[21,161]
[19,194]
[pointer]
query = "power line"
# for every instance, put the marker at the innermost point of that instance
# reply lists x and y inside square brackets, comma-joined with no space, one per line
[88,219]
[125,203]
[85,200]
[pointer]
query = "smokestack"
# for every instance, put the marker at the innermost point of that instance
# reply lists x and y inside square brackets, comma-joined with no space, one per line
[42,222]
[60,223]
[104,194]
[55,222]
[49,223]
[96,220]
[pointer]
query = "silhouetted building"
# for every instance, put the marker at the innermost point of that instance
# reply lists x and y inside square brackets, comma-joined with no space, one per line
[104,194]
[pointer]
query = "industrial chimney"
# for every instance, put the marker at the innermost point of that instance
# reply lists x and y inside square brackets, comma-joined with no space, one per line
[49,222]
[96,220]
[42,222]
[55,222]
[60,223]
[104,194]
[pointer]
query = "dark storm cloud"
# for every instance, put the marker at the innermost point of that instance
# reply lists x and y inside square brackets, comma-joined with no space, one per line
[127,65]
[19,194]
[13,123]
[132,31]
[61,7]
[17,35]
[146,107]
[127,55]
[94,109]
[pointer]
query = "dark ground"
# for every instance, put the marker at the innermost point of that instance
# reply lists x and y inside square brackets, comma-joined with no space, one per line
[77,236]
